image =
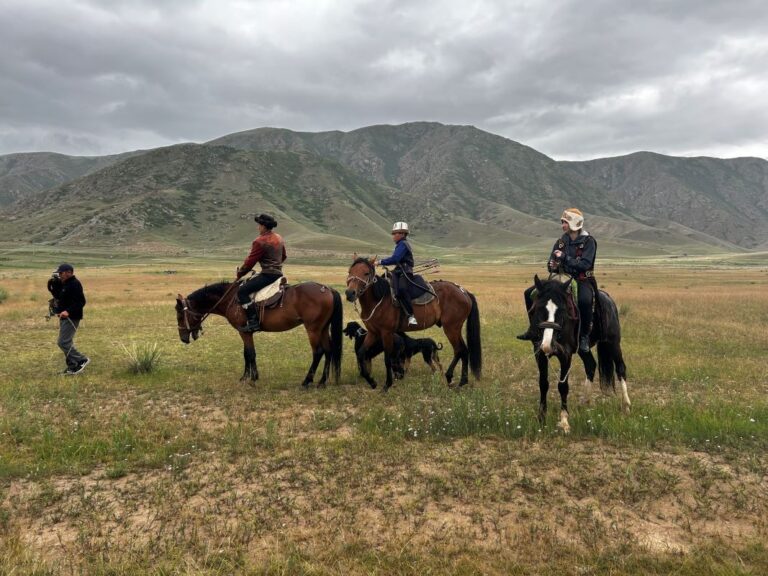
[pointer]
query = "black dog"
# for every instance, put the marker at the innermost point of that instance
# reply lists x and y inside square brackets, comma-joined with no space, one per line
[405,348]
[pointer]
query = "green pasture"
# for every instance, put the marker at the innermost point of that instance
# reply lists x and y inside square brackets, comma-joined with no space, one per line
[186,470]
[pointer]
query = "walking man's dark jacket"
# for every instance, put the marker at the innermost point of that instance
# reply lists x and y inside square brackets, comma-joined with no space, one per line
[71,298]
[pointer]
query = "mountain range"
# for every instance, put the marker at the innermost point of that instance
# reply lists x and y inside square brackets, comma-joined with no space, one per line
[460,188]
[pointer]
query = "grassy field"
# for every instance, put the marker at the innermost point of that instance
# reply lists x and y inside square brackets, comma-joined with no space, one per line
[185,470]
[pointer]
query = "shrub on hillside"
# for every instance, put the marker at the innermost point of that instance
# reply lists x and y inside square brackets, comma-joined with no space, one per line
[3,295]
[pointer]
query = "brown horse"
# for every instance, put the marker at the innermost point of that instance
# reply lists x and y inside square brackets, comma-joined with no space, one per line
[314,305]
[450,310]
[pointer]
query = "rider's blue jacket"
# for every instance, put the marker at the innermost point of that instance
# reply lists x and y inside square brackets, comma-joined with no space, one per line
[402,257]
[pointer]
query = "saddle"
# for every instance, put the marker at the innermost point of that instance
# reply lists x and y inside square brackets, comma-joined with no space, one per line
[270,296]
[420,290]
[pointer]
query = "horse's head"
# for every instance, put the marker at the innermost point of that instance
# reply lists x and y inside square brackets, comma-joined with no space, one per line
[550,319]
[187,320]
[360,277]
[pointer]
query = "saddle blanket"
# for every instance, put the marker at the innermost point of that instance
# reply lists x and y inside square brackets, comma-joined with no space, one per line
[268,291]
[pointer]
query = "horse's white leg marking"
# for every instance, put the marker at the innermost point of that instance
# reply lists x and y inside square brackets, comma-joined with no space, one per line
[546,341]
[563,424]
[625,403]
[586,392]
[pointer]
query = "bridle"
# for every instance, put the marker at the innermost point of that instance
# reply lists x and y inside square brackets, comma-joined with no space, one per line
[366,282]
[187,312]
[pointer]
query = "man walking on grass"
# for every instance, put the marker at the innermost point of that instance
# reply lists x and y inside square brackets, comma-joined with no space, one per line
[68,304]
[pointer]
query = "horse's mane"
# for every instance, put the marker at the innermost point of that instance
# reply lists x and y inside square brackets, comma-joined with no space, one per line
[552,289]
[210,291]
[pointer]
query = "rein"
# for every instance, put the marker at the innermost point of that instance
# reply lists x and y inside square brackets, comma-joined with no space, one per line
[188,312]
[367,283]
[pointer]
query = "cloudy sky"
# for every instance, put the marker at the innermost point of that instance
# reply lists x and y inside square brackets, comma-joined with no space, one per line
[574,79]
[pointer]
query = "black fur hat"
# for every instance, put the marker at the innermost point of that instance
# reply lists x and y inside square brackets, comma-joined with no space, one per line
[266,220]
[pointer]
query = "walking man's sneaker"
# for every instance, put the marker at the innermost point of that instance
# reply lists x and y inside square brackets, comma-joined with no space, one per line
[80,367]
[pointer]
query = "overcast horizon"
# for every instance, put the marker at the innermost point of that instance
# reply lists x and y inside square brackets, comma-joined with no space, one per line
[574,80]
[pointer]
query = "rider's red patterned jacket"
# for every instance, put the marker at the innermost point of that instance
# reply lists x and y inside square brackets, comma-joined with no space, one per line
[269,251]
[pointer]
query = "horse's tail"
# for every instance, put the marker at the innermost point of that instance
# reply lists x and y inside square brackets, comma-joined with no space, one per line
[609,356]
[337,320]
[605,363]
[473,339]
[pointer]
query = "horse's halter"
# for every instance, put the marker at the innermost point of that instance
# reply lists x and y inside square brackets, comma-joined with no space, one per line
[366,282]
[186,313]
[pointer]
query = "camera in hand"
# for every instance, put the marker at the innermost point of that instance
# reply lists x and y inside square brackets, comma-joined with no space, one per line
[55,286]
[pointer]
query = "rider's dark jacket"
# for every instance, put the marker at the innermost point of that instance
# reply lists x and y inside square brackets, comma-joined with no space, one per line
[269,251]
[578,255]
[402,257]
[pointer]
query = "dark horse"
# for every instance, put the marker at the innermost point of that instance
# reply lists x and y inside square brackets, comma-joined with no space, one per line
[555,329]
[452,307]
[316,306]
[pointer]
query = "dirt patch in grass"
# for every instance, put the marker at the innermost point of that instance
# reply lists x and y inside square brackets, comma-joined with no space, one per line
[485,496]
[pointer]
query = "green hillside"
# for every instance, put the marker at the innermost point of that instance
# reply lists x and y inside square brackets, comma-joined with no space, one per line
[465,192]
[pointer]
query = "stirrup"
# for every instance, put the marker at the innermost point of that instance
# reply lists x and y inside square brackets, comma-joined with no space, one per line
[412,320]
[249,327]
[584,344]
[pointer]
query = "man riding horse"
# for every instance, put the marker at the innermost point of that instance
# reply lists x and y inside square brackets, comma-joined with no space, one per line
[268,249]
[402,278]
[574,254]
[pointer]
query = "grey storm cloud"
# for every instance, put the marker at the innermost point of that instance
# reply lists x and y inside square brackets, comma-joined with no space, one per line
[573,79]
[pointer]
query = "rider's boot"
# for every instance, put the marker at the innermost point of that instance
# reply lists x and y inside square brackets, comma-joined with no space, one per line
[528,334]
[252,325]
[408,308]
[584,344]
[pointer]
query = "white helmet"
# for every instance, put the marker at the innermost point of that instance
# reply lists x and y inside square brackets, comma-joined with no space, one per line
[400,227]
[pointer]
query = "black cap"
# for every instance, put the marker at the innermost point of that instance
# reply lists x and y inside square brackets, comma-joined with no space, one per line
[64,268]
[266,220]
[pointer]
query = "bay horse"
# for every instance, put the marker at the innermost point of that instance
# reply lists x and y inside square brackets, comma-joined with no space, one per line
[555,329]
[451,309]
[316,306]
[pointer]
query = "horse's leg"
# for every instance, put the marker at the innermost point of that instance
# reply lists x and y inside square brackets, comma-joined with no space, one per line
[249,355]
[387,340]
[562,387]
[621,373]
[317,355]
[589,368]
[325,343]
[460,352]
[363,362]
[543,363]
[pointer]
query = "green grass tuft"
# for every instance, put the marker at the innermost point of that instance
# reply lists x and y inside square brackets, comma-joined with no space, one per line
[142,358]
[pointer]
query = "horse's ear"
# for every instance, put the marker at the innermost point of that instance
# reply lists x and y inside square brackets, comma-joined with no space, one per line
[537,282]
[354,255]
[179,297]
[567,284]
[373,260]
